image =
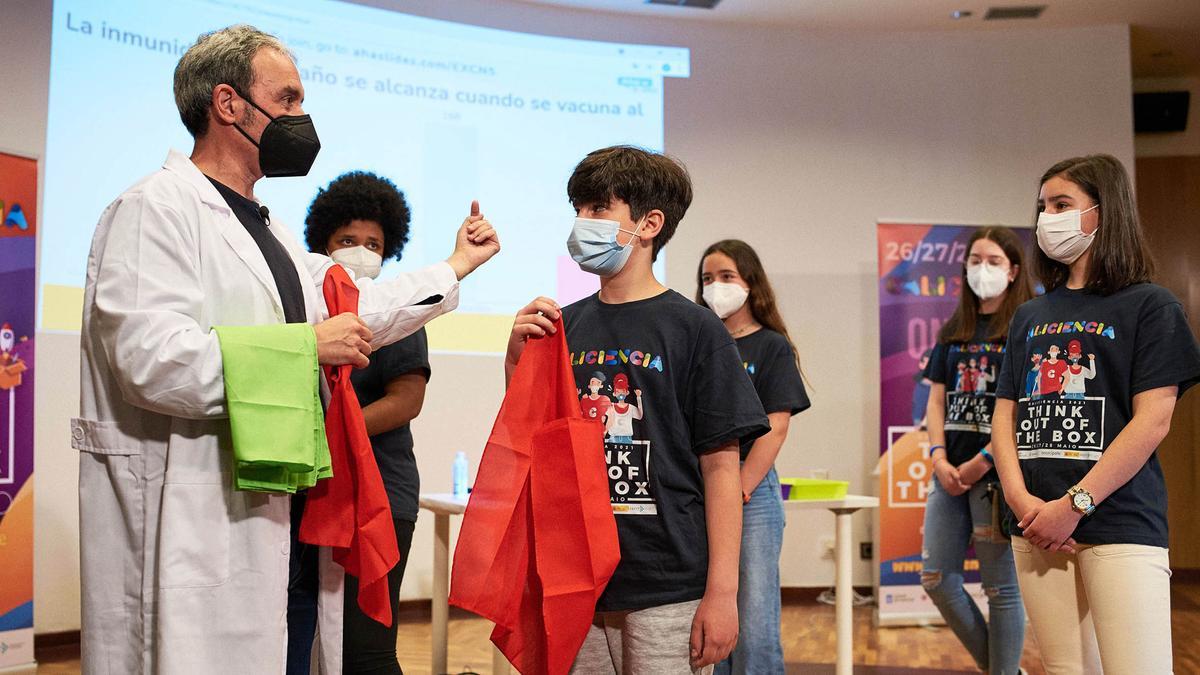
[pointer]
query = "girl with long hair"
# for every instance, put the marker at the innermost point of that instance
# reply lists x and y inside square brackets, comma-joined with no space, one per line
[731,281]
[1075,445]
[960,508]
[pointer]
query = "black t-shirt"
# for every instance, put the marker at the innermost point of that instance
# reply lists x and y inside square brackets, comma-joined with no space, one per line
[665,377]
[287,281]
[770,362]
[394,449]
[1075,361]
[969,371]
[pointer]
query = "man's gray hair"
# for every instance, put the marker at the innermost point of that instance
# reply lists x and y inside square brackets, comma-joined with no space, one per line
[220,57]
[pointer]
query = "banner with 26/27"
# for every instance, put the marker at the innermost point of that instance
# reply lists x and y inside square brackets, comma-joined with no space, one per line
[920,282]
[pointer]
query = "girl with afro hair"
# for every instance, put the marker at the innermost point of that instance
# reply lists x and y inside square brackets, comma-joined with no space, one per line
[361,220]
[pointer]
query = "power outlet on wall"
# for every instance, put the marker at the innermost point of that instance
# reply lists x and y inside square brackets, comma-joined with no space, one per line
[825,546]
[866,550]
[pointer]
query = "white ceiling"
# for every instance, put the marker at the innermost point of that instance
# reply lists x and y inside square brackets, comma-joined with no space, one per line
[1165,33]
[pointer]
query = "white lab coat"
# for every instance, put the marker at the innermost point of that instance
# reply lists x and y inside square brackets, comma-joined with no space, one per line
[180,573]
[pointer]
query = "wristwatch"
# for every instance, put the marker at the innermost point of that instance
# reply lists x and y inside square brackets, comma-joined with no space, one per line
[1081,501]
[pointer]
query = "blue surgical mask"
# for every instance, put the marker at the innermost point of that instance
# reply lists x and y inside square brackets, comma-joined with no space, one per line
[593,245]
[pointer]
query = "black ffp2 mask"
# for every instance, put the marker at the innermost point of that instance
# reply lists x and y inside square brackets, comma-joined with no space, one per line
[288,145]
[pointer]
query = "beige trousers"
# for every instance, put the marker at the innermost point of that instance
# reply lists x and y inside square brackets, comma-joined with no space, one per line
[1105,609]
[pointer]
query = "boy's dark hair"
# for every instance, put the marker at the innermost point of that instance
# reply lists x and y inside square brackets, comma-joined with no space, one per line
[642,179]
[1120,256]
[359,195]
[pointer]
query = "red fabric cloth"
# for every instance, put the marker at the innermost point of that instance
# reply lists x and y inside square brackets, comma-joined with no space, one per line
[538,542]
[349,512]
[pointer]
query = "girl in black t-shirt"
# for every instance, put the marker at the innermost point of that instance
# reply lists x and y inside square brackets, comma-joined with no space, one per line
[1075,441]
[960,508]
[731,281]
[361,220]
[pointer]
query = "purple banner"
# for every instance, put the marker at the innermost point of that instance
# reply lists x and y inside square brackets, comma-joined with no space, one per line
[18,255]
[920,282]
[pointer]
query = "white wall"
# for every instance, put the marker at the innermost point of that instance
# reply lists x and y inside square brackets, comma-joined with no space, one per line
[1174,143]
[798,142]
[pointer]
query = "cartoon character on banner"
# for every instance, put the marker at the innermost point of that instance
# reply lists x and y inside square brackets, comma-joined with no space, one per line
[621,415]
[11,368]
[15,217]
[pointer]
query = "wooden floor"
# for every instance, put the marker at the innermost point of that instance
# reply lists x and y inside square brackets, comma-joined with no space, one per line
[808,642]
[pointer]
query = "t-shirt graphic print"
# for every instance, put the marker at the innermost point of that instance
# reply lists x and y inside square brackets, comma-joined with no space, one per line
[969,403]
[1059,419]
[628,458]
[969,371]
[1075,361]
[664,377]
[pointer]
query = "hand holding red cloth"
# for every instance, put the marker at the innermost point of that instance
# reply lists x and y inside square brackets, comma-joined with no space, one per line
[538,542]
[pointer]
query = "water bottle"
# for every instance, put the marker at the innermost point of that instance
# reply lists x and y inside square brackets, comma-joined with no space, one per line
[460,475]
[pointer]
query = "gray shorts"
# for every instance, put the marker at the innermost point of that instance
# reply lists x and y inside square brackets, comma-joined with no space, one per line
[650,641]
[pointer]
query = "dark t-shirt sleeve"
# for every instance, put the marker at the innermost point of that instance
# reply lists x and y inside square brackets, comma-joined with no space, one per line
[1011,381]
[780,386]
[1165,352]
[389,362]
[721,404]
[407,355]
[936,369]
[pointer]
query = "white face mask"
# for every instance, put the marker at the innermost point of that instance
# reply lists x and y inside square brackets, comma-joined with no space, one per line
[359,260]
[1060,235]
[988,281]
[724,298]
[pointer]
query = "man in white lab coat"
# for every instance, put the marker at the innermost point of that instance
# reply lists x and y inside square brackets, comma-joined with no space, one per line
[181,573]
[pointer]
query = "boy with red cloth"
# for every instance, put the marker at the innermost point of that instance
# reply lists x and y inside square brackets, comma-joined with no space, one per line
[671,605]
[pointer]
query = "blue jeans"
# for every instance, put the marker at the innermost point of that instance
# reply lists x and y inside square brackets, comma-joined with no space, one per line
[304,585]
[951,523]
[758,648]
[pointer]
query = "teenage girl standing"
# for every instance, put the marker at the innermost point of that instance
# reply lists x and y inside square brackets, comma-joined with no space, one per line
[1075,447]
[961,509]
[731,281]
[361,220]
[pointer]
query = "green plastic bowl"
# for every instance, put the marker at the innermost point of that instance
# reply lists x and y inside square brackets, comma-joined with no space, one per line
[813,488]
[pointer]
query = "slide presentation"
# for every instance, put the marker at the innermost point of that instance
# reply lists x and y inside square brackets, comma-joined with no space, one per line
[449,112]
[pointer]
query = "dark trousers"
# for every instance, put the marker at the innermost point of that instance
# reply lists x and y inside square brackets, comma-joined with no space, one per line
[368,647]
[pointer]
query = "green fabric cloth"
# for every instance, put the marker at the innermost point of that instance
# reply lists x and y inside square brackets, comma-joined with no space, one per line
[275,414]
